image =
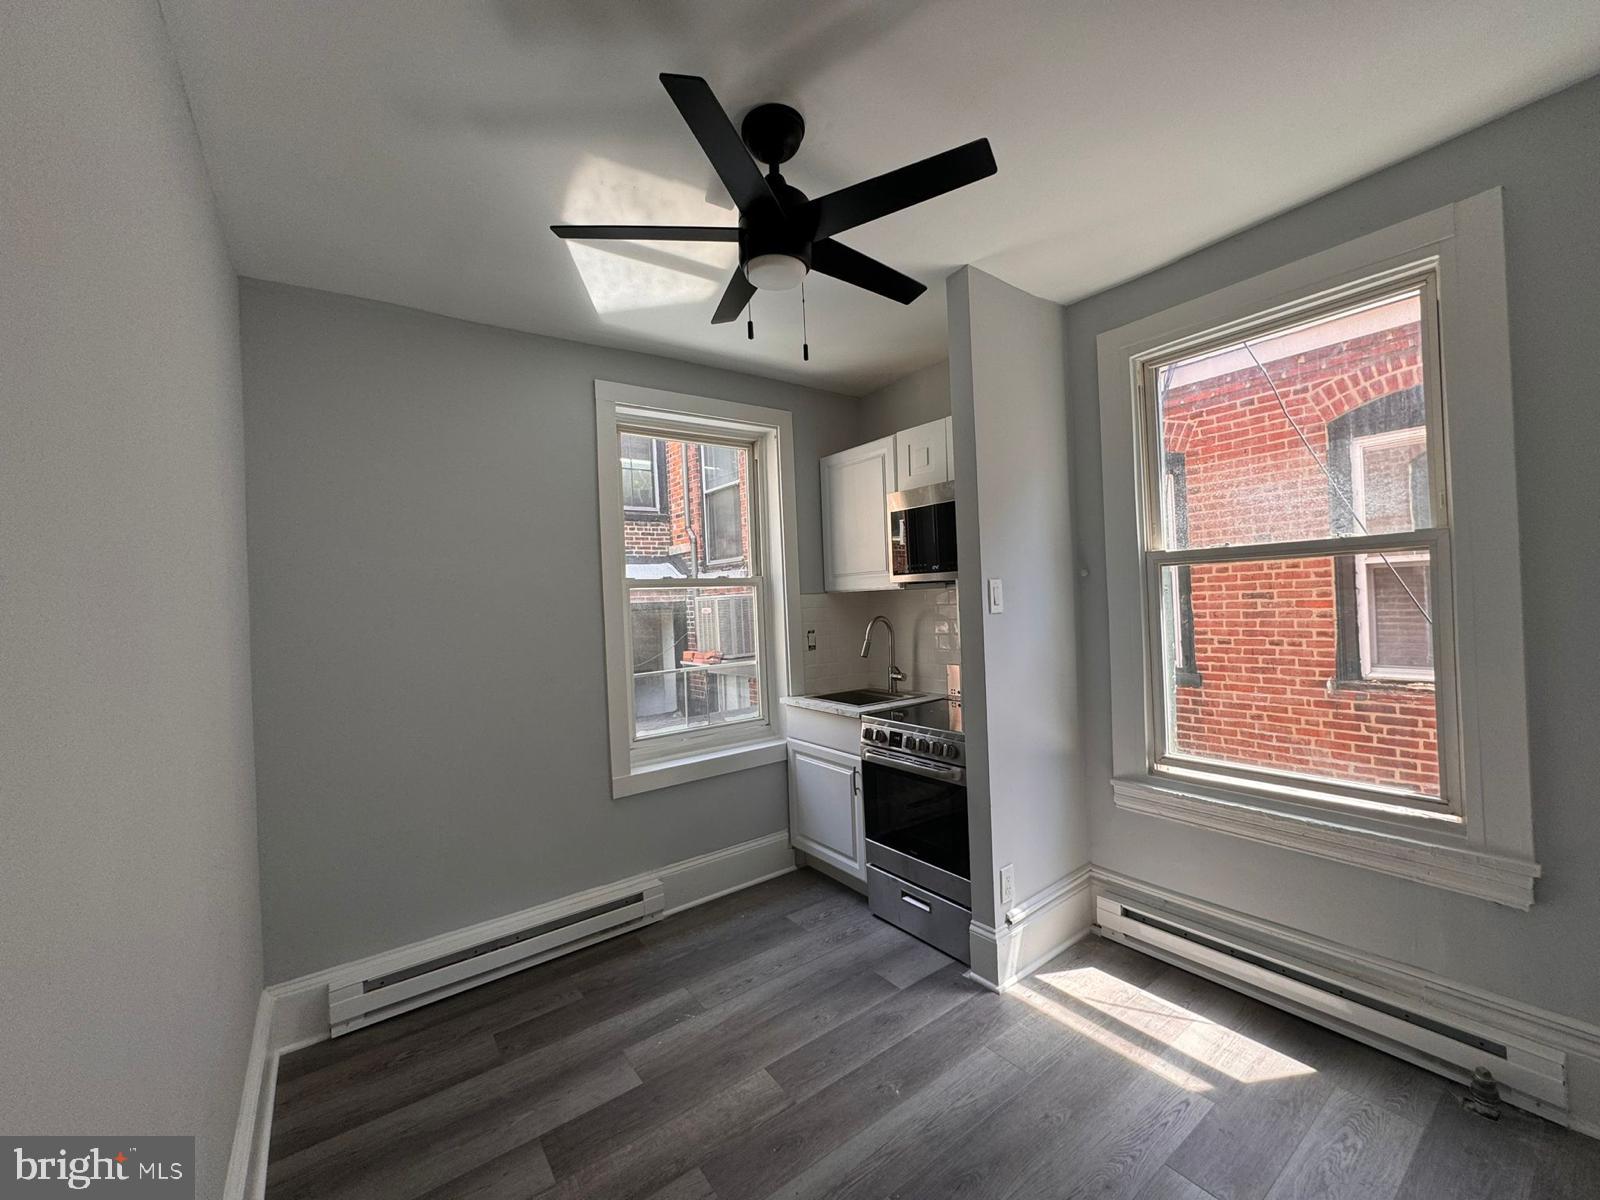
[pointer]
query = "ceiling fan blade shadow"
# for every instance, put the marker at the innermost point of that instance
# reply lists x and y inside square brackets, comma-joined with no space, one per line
[734,299]
[648,233]
[852,266]
[709,123]
[902,188]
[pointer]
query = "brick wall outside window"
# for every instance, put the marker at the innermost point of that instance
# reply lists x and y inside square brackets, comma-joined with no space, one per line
[1267,634]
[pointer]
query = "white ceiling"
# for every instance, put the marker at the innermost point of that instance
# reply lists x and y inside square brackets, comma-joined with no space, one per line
[415,151]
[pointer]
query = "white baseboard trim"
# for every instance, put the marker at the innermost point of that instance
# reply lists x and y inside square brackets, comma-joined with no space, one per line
[1033,932]
[255,1108]
[1414,987]
[294,1014]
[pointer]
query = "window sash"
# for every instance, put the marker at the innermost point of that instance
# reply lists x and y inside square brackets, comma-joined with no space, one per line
[1150,474]
[1151,450]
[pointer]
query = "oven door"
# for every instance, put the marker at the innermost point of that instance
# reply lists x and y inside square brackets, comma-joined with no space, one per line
[922,535]
[915,814]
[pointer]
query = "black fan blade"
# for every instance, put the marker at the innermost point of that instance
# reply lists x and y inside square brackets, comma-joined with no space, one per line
[709,123]
[650,233]
[852,266]
[734,299]
[880,196]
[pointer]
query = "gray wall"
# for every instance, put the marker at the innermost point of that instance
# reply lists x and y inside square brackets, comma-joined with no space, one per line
[1547,157]
[426,627]
[1014,521]
[909,401]
[130,953]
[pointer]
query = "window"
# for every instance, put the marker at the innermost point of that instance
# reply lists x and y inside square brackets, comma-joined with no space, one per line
[724,508]
[695,638]
[1254,558]
[641,489]
[694,654]
[1314,640]
[1389,482]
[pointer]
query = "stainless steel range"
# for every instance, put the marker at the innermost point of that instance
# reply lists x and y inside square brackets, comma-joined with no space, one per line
[914,796]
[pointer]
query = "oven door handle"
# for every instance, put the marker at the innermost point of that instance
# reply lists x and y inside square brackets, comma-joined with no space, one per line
[914,766]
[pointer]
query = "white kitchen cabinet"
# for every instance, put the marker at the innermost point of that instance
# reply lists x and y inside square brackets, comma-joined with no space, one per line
[855,517]
[825,807]
[922,455]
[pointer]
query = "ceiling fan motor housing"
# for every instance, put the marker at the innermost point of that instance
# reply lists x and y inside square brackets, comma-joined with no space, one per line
[769,230]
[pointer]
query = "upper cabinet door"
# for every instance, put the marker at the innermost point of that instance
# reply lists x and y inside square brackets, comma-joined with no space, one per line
[922,456]
[855,517]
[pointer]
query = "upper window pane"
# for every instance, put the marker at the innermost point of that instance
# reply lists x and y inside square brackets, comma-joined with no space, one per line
[686,509]
[1314,430]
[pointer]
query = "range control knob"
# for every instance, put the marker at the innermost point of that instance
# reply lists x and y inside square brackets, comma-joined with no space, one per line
[881,734]
[924,745]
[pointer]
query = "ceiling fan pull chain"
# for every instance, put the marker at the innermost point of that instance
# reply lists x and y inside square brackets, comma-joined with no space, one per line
[750,320]
[805,337]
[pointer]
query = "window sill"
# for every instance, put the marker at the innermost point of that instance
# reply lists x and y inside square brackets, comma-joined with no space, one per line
[1456,868]
[669,772]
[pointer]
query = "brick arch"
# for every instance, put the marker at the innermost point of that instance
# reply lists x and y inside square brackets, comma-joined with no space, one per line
[1335,397]
[1177,433]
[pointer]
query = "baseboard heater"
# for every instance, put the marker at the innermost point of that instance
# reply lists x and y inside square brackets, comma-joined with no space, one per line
[407,979]
[1531,1075]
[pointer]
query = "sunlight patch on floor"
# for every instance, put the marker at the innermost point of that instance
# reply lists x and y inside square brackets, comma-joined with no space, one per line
[622,276]
[1111,1040]
[1195,1037]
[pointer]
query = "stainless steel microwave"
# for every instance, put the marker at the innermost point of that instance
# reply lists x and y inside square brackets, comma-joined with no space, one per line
[922,534]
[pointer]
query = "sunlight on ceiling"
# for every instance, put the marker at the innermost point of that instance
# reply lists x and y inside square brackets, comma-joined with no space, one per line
[1196,1038]
[627,276]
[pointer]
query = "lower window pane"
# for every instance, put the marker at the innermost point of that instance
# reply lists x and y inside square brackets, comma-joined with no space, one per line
[696,658]
[1318,666]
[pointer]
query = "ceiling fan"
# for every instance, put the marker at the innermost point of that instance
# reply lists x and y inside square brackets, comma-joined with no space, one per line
[781,234]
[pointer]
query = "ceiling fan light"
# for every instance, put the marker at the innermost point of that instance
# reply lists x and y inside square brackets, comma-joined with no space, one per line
[775,272]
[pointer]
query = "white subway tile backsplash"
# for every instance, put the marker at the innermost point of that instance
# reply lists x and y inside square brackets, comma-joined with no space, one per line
[927,630]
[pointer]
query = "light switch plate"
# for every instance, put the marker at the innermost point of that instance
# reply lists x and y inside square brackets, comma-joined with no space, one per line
[1008,885]
[997,600]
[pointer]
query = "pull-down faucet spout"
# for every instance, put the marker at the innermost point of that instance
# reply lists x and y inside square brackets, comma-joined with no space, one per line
[895,673]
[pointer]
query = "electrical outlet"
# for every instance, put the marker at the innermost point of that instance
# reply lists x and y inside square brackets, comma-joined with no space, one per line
[1008,885]
[997,600]
[811,639]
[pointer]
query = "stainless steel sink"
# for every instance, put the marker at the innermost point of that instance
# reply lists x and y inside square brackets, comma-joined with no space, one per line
[860,696]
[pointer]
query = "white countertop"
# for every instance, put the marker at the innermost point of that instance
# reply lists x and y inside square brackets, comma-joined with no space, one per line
[817,704]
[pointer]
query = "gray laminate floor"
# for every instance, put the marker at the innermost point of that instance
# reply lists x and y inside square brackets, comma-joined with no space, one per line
[781,1042]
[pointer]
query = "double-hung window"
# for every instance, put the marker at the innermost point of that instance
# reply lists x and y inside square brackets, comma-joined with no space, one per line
[1310,508]
[694,565]
[695,590]
[1246,585]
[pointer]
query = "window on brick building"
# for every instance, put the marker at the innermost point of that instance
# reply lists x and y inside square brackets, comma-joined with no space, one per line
[641,487]
[1283,658]
[719,476]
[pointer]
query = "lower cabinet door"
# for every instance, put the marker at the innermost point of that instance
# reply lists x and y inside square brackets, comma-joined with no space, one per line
[825,807]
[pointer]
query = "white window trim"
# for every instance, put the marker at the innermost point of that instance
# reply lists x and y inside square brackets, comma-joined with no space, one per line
[1486,848]
[744,744]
